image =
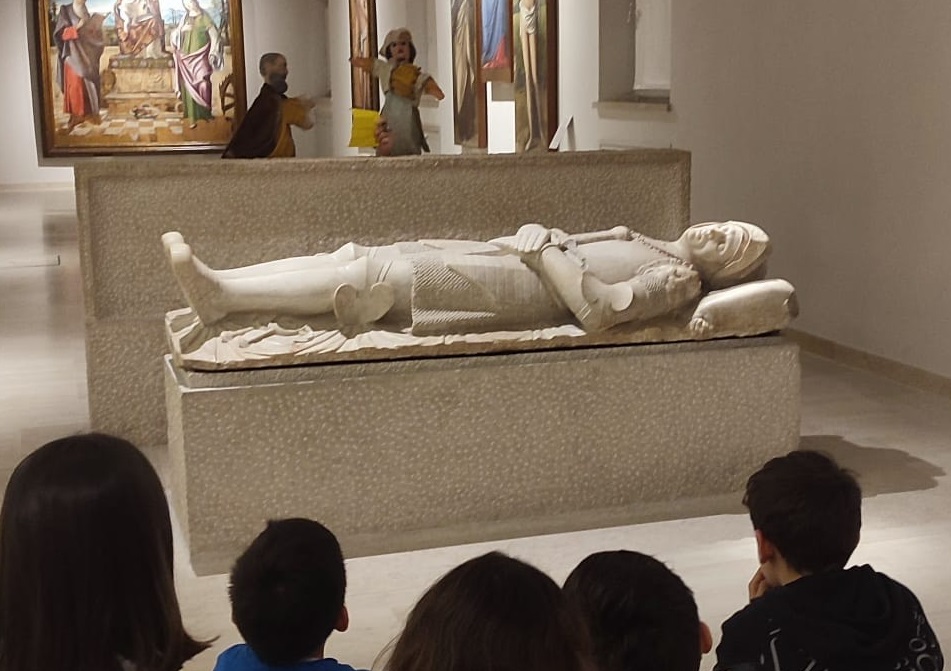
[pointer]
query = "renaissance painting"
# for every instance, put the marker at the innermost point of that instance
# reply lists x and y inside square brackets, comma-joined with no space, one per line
[469,94]
[535,26]
[133,76]
[495,40]
[364,89]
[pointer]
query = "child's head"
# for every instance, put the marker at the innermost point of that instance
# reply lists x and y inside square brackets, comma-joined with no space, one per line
[807,508]
[490,613]
[398,44]
[86,562]
[287,591]
[639,614]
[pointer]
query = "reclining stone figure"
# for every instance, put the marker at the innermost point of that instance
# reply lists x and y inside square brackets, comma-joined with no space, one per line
[539,277]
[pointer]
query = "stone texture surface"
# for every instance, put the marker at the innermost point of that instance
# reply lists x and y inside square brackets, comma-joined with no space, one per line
[124,378]
[242,212]
[404,454]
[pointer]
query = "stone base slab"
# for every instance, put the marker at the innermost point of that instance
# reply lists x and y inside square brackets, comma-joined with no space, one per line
[399,455]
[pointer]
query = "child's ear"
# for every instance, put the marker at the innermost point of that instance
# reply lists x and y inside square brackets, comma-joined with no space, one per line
[706,638]
[343,620]
[765,550]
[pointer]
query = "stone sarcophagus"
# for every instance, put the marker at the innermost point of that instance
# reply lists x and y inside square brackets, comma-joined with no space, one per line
[397,446]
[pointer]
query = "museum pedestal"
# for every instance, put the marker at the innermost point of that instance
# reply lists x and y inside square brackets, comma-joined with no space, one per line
[399,455]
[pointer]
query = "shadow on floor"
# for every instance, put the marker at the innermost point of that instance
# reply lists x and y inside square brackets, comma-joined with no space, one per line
[880,470]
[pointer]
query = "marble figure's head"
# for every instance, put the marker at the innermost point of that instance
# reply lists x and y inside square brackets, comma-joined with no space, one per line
[727,253]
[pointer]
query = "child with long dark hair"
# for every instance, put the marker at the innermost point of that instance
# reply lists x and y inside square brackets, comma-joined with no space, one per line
[86,577]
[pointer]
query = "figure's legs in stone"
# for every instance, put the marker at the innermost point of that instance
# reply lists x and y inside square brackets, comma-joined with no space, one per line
[347,253]
[299,293]
[293,264]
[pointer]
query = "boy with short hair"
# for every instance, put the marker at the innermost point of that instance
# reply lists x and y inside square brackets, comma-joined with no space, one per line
[807,611]
[639,614]
[287,596]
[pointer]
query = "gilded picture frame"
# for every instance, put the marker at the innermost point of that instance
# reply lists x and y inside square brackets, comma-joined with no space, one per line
[364,87]
[139,76]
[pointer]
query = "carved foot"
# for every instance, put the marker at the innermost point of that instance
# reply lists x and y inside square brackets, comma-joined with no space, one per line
[355,309]
[198,282]
[172,238]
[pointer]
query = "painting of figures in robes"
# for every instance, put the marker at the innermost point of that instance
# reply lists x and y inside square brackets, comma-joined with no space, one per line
[495,40]
[364,88]
[135,76]
[535,28]
[469,94]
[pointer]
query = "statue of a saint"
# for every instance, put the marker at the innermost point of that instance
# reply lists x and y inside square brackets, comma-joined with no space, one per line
[537,278]
[140,28]
[403,85]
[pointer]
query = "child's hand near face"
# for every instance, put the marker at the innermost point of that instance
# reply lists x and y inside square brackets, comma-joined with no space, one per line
[758,584]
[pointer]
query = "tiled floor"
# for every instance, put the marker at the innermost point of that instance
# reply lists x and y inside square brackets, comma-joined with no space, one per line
[896,438]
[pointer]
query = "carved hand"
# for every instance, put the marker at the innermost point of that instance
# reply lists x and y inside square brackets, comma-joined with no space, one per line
[700,327]
[558,236]
[531,238]
[384,137]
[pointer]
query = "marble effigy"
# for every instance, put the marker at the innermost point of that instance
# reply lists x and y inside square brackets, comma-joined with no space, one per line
[771,308]
[244,212]
[538,289]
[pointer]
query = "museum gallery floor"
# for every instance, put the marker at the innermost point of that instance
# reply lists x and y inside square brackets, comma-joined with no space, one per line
[896,438]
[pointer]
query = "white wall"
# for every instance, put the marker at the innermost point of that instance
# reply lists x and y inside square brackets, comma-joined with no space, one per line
[827,122]
[19,164]
[830,123]
[297,29]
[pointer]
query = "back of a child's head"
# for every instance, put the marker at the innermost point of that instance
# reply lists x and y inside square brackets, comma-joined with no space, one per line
[287,590]
[809,508]
[639,614]
[86,577]
[491,613]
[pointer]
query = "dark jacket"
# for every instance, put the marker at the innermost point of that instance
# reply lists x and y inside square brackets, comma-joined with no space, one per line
[257,135]
[846,620]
